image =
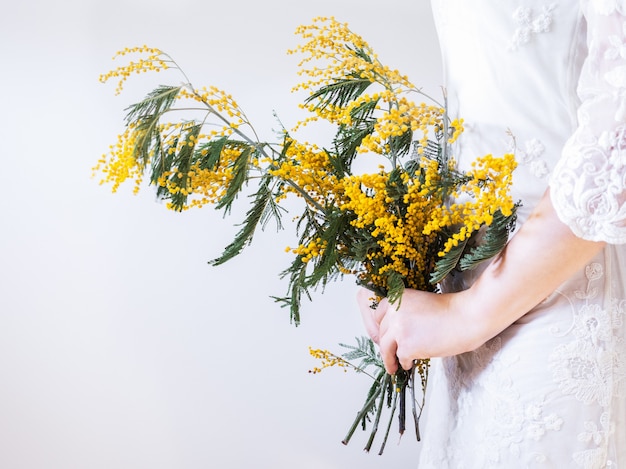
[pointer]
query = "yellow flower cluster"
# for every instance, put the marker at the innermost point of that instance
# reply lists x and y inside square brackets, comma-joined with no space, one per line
[396,226]
[366,195]
[343,52]
[457,129]
[492,176]
[307,252]
[172,136]
[121,162]
[328,359]
[343,56]
[403,116]
[203,186]
[407,232]
[477,200]
[309,171]
[155,61]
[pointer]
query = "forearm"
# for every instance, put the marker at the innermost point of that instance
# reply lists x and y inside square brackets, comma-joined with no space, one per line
[539,258]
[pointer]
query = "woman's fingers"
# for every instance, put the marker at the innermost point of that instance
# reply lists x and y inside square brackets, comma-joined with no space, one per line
[380,311]
[388,348]
[372,315]
[406,362]
[387,326]
[395,347]
[371,326]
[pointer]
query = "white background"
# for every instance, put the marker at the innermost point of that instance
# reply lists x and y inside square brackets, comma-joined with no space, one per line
[119,346]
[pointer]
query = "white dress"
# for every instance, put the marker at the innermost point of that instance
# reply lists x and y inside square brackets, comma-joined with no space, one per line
[547,79]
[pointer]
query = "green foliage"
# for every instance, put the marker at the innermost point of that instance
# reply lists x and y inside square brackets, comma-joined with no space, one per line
[146,115]
[154,105]
[180,161]
[263,208]
[297,279]
[364,350]
[447,263]
[386,391]
[494,240]
[482,246]
[209,153]
[339,93]
[396,286]
[349,137]
[240,168]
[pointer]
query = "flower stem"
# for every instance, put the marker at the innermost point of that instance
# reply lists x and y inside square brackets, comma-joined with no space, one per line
[366,408]
[379,412]
[416,417]
[393,411]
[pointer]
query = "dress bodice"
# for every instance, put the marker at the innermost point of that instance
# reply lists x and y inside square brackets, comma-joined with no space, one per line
[536,77]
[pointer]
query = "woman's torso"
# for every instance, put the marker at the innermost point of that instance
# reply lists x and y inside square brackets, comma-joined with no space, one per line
[550,390]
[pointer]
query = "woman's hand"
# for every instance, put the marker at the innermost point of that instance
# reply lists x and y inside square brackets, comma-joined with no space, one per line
[423,325]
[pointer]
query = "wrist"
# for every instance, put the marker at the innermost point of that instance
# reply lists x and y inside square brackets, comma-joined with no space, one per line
[474,319]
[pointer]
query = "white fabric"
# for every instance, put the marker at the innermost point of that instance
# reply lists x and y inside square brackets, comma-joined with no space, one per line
[546,79]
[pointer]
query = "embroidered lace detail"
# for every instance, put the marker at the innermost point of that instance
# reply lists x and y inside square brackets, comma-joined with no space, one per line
[617,44]
[588,186]
[598,436]
[529,24]
[532,155]
[510,418]
[590,367]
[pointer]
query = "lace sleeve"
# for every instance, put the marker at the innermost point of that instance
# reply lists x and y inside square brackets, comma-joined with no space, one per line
[588,184]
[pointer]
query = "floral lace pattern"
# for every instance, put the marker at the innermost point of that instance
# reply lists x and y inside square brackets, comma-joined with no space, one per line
[508,420]
[530,23]
[587,367]
[591,367]
[589,183]
[531,155]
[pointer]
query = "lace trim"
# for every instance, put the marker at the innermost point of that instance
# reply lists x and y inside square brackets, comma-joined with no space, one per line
[589,183]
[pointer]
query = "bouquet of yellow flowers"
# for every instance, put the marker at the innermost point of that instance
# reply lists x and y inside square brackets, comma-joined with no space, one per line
[406,225]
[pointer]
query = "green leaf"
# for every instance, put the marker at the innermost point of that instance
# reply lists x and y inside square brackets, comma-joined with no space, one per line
[365,350]
[395,284]
[495,238]
[349,138]
[297,275]
[325,268]
[241,166]
[340,92]
[155,103]
[360,52]
[263,197]
[395,186]
[209,153]
[401,145]
[145,115]
[447,263]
